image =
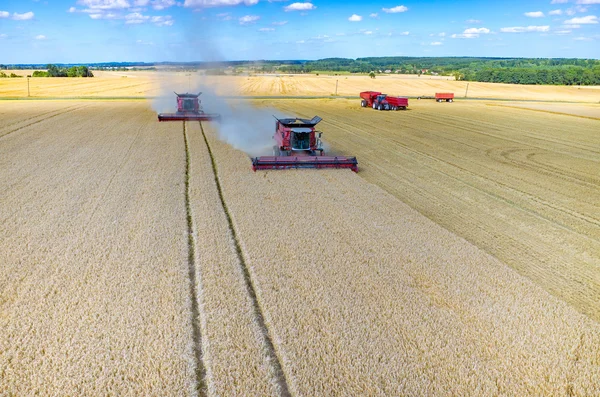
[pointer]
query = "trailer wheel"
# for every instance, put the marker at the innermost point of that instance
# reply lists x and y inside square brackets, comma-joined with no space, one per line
[450,100]
[439,100]
[374,105]
[363,103]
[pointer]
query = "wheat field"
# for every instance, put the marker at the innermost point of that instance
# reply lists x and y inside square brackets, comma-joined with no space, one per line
[146,258]
[365,296]
[521,184]
[143,84]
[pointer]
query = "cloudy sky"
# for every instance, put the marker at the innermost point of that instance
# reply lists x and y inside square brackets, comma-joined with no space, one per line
[85,31]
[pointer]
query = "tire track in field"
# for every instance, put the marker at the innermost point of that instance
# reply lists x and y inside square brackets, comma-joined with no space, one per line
[39,121]
[33,117]
[192,269]
[274,359]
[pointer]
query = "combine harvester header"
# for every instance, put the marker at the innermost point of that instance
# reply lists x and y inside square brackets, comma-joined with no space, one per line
[298,145]
[188,109]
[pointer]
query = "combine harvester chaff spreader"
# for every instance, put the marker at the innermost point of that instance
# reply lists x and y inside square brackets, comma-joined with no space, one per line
[299,146]
[188,109]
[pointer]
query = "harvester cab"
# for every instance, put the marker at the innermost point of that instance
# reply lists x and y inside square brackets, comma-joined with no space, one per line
[188,102]
[188,109]
[298,145]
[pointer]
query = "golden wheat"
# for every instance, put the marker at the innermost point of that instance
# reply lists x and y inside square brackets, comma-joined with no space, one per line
[94,294]
[365,296]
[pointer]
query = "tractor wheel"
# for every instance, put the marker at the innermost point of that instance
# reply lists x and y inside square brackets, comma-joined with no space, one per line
[276,151]
[363,103]
[380,107]
[374,105]
[450,100]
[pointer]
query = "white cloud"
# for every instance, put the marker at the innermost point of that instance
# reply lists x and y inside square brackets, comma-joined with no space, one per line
[3,36]
[559,1]
[473,21]
[355,18]
[368,32]
[581,38]
[40,37]
[404,33]
[566,31]
[534,14]
[141,3]
[395,10]
[443,34]
[266,29]
[300,7]
[72,9]
[555,12]
[23,17]
[248,19]
[225,16]
[4,14]
[281,23]
[373,15]
[300,42]
[162,4]
[471,33]
[525,29]
[477,31]
[217,3]
[104,4]
[436,43]
[571,26]
[588,1]
[162,20]
[135,18]
[587,20]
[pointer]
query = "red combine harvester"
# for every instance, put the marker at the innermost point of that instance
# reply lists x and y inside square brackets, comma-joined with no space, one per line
[299,146]
[444,96]
[188,108]
[380,101]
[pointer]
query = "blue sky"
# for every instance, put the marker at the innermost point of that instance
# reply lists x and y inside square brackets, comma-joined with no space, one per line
[85,31]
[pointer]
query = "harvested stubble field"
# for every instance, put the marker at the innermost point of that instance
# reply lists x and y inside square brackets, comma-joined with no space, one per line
[145,258]
[153,83]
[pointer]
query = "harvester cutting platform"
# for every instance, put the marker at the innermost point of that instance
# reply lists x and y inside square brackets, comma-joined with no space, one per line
[299,146]
[188,109]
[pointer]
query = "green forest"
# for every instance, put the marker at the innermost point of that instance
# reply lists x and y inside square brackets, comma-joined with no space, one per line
[63,71]
[559,71]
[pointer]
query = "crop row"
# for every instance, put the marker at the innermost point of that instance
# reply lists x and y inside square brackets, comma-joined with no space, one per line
[365,296]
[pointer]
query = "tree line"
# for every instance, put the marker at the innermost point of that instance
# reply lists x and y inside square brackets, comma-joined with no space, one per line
[58,71]
[559,71]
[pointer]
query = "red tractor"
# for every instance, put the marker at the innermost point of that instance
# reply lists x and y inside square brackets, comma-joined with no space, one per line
[380,101]
[188,108]
[298,145]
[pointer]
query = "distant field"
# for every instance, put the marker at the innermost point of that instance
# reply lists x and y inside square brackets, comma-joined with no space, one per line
[154,83]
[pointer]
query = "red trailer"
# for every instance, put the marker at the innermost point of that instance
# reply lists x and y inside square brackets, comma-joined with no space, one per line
[444,96]
[380,101]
